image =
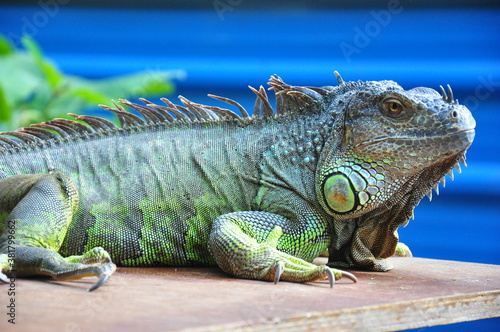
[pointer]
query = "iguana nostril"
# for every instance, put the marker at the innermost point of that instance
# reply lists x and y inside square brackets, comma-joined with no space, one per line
[454,114]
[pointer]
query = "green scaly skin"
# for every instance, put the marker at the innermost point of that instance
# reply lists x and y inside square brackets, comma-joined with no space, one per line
[333,168]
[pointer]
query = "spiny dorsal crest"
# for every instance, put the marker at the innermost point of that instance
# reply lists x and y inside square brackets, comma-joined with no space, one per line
[289,100]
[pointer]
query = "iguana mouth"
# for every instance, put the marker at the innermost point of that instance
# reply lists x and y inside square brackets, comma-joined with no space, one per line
[387,138]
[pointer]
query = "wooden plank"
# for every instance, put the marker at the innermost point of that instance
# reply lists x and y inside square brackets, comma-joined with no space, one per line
[417,293]
[387,317]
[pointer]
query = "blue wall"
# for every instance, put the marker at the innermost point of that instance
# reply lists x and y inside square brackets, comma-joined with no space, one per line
[222,51]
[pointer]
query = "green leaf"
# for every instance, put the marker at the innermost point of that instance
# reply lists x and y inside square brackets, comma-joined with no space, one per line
[5,111]
[138,85]
[90,95]
[157,88]
[5,46]
[51,73]
[19,78]
[32,89]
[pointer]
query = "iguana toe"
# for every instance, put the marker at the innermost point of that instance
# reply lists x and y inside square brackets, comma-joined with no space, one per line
[403,250]
[4,267]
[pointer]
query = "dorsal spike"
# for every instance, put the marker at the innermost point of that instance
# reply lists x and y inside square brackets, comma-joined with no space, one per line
[198,109]
[168,102]
[340,80]
[321,91]
[450,94]
[74,125]
[118,106]
[225,113]
[94,121]
[179,116]
[256,107]
[280,104]
[63,132]
[264,102]
[267,105]
[243,111]
[192,115]
[302,99]
[306,92]
[149,114]
[67,129]
[168,117]
[9,142]
[126,118]
[187,113]
[277,84]
[447,96]
[25,137]
[40,133]
[443,93]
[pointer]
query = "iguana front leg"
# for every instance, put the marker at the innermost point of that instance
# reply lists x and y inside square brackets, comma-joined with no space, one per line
[37,210]
[247,245]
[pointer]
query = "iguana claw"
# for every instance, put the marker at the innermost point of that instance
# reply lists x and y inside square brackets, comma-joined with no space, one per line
[99,282]
[279,271]
[349,275]
[331,277]
[4,278]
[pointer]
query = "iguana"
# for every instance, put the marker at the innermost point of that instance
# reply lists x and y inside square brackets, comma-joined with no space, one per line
[334,168]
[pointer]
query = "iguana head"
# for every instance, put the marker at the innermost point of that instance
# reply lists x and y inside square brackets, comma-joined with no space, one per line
[389,143]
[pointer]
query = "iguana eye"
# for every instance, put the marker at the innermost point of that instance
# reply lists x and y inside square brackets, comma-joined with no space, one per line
[393,107]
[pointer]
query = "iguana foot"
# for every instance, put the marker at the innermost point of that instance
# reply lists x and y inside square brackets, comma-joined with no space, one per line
[33,261]
[39,209]
[96,262]
[243,256]
[403,250]
[297,270]
[290,268]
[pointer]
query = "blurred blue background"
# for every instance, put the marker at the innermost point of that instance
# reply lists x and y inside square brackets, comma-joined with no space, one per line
[220,47]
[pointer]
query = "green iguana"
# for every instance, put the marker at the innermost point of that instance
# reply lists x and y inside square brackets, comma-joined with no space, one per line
[334,169]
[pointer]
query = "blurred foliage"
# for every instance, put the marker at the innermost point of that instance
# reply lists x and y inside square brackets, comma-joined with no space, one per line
[33,89]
